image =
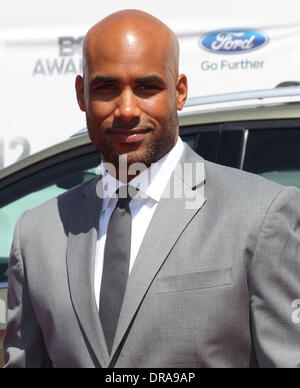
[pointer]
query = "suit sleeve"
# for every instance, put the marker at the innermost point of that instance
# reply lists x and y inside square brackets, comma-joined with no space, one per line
[24,345]
[274,284]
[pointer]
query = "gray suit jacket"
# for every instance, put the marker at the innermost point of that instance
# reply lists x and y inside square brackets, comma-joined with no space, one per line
[212,286]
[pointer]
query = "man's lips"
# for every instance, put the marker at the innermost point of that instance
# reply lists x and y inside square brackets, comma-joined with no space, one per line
[129,136]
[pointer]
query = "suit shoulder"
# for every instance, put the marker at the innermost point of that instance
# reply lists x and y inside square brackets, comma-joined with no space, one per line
[54,216]
[232,181]
[67,199]
[236,189]
[239,180]
[248,196]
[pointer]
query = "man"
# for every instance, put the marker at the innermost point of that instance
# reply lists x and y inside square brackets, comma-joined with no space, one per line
[212,273]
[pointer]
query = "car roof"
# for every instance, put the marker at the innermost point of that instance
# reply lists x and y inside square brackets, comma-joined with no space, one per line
[277,103]
[278,92]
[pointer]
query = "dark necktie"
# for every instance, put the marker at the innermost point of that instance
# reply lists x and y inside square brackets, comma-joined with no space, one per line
[115,266]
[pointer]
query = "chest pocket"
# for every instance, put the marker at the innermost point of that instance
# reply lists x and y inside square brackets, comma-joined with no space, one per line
[194,281]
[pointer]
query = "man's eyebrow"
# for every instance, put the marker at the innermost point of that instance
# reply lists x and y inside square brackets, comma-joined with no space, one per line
[141,80]
[150,79]
[103,79]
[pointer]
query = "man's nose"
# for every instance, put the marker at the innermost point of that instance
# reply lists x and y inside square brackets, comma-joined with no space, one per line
[127,107]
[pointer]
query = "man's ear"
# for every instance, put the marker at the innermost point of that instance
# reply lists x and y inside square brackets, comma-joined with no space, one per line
[79,85]
[181,91]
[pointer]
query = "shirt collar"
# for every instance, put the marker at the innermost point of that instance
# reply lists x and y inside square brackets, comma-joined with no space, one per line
[150,182]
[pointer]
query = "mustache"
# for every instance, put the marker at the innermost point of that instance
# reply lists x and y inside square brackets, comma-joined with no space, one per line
[120,125]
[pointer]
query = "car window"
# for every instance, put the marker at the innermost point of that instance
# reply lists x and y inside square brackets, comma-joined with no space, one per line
[286,177]
[208,142]
[230,149]
[10,213]
[275,155]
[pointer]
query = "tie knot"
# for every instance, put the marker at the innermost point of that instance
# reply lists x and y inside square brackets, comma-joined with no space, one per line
[125,195]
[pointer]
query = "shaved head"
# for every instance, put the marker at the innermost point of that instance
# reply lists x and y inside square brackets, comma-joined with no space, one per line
[131,88]
[133,29]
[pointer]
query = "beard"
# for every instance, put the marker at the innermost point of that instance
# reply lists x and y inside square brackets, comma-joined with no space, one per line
[163,140]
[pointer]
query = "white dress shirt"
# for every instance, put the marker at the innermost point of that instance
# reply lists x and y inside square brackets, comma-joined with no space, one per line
[151,184]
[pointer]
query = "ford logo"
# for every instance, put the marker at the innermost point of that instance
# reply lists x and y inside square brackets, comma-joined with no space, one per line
[234,41]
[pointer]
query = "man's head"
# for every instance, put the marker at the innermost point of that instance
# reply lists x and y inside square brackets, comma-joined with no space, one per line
[131,89]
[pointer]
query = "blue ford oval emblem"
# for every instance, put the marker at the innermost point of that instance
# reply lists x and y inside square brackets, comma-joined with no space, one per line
[234,41]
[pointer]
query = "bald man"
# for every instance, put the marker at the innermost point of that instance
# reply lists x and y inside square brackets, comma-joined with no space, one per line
[198,266]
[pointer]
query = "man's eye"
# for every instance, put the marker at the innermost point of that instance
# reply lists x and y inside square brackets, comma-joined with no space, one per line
[106,87]
[148,87]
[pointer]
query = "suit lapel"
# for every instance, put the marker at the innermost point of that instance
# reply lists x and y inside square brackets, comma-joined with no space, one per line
[174,214]
[81,251]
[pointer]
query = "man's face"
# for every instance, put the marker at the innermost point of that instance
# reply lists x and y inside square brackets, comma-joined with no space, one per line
[131,100]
